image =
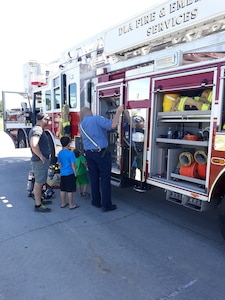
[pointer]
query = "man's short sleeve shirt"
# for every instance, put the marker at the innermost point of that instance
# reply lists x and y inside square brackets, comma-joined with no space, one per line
[43,142]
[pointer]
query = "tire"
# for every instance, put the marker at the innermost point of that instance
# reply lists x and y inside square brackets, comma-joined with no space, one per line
[221,216]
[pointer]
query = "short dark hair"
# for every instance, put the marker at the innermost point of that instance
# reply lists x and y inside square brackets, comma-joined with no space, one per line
[76,152]
[65,140]
[41,116]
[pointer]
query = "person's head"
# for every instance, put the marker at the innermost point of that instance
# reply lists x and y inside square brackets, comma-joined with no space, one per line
[76,152]
[42,119]
[65,141]
[139,122]
[85,111]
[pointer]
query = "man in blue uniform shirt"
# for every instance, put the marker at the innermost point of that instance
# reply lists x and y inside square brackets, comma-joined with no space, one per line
[94,134]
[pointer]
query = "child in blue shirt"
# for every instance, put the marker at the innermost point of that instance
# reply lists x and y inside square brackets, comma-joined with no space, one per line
[67,160]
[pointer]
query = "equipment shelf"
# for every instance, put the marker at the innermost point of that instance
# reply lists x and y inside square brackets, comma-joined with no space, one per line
[190,179]
[185,116]
[182,142]
[186,184]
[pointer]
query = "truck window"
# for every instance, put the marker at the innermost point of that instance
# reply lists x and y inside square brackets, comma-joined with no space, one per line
[138,89]
[73,95]
[56,93]
[48,100]
[57,97]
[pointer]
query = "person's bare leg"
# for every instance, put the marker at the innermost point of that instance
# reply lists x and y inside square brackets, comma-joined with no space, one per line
[85,188]
[37,193]
[70,200]
[63,198]
[79,189]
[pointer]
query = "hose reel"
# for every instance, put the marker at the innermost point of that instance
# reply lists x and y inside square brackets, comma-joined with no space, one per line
[186,159]
[193,166]
[200,157]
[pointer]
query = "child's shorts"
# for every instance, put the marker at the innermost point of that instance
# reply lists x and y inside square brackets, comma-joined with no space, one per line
[68,183]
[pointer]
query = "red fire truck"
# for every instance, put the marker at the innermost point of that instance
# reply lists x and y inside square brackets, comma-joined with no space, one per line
[167,66]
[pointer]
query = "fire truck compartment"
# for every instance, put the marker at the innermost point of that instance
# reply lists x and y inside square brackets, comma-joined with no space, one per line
[169,142]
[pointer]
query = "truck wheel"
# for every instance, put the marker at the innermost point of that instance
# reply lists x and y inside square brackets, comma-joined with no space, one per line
[221,215]
[21,141]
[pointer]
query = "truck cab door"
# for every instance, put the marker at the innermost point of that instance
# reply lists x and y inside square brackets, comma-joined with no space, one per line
[134,143]
[109,97]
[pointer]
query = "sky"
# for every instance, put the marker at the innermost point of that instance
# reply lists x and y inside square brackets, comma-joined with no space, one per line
[41,30]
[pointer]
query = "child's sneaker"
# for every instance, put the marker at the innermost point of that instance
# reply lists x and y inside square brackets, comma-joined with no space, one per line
[41,208]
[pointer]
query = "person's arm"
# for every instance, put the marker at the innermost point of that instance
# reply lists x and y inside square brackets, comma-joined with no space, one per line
[34,144]
[74,168]
[73,163]
[115,119]
[128,118]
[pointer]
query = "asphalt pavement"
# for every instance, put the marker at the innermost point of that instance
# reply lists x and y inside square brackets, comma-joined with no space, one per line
[147,249]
